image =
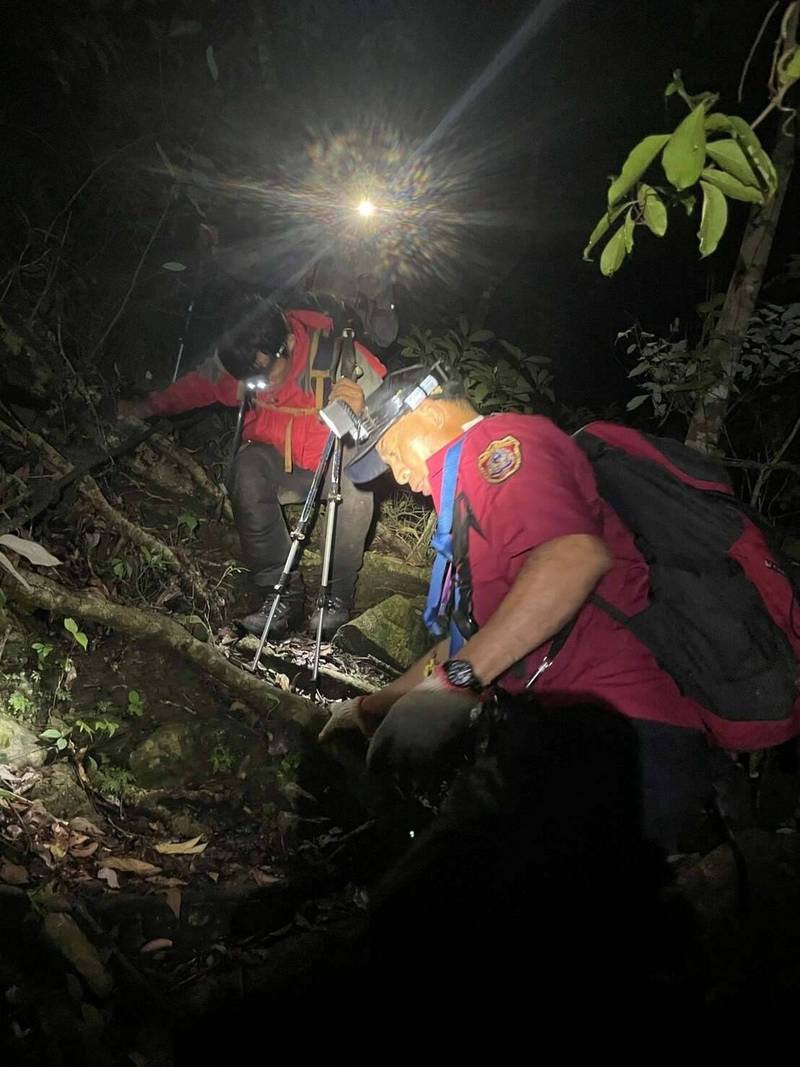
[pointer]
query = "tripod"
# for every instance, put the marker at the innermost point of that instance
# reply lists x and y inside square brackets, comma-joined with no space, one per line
[332,454]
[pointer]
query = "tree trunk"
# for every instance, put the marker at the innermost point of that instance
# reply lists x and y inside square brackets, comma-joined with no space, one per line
[725,347]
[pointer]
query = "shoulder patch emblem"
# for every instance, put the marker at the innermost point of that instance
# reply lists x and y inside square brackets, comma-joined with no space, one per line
[500,460]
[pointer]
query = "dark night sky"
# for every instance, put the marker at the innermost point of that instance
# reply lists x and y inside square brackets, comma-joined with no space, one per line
[534,150]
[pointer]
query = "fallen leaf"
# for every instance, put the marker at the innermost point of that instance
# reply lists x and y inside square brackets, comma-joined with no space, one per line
[31,550]
[159,879]
[213,875]
[181,848]
[82,853]
[283,682]
[13,874]
[174,897]
[129,864]
[262,879]
[157,945]
[109,876]
[84,826]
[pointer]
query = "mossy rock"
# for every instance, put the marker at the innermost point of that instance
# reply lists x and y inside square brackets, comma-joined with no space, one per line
[180,754]
[392,631]
[16,640]
[19,745]
[61,793]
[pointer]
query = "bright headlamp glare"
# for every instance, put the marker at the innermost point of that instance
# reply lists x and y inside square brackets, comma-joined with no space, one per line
[393,399]
[256,383]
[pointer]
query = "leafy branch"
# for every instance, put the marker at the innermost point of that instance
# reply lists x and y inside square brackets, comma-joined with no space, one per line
[709,155]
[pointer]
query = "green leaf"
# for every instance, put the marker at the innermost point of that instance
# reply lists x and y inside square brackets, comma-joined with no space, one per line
[685,151]
[653,210]
[731,187]
[481,335]
[627,229]
[613,254]
[713,220]
[689,203]
[51,734]
[602,228]
[755,153]
[789,67]
[70,626]
[728,155]
[636,402]
[190,521]
[639,159]
[716,122]
[676,85]
[61,744]
[83,641]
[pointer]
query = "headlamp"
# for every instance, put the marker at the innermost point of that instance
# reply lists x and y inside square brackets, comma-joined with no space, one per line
[397,396]
[256,384]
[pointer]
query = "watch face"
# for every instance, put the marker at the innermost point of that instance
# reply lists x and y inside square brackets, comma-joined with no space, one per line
[460,673]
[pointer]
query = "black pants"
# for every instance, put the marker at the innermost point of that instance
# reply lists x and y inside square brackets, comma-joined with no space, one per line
[682,777]
[260,486]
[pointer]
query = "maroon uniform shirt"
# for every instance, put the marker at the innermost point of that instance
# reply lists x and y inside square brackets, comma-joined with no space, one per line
[527,483]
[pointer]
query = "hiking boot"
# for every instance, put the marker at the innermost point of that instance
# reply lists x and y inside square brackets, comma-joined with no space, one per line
[288,615]
[337,613]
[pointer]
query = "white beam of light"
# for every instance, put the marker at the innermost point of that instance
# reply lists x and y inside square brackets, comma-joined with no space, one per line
[366,209]
[536,21]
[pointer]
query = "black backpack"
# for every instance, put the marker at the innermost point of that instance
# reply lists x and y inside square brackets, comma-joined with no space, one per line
[723,618]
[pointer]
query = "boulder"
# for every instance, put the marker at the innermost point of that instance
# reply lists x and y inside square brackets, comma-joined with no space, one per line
[61,793]
[391,631]
[19,745]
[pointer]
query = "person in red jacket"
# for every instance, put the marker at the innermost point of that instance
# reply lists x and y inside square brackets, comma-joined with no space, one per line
[532,541]
[289,350]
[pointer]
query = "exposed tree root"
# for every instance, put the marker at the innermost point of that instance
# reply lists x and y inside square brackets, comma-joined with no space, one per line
[196,471]
[84,604]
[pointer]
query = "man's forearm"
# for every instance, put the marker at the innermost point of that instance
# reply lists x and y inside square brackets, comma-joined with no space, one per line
[550,589]
[376,705]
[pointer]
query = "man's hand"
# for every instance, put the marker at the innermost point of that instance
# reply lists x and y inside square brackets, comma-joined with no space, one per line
[349,393]
[421,725]
[345,715]
[134,409]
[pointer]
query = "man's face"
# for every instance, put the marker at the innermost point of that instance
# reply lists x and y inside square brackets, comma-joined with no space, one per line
[276,370]
[408,445]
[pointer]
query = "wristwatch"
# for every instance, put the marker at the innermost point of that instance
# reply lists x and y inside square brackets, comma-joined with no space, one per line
[460,674]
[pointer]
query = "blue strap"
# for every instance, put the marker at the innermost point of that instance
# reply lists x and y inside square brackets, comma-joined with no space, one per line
[442,545]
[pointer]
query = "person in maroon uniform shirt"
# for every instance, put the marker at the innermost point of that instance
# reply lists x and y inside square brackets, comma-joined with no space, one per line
[532,540]
[283,440]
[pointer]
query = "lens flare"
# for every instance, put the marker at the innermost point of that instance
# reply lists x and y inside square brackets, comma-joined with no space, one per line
[366,209]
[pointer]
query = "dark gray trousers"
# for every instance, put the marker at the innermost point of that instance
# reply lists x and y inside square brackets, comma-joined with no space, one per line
[259,487]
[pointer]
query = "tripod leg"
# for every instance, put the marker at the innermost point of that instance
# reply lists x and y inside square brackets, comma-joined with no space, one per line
[334,499]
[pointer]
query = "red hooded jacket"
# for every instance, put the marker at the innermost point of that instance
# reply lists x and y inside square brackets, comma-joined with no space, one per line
[286,418]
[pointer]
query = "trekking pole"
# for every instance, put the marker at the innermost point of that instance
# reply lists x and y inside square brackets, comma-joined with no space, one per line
[249,387]
[181,339]
[207,241]
[298,535]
